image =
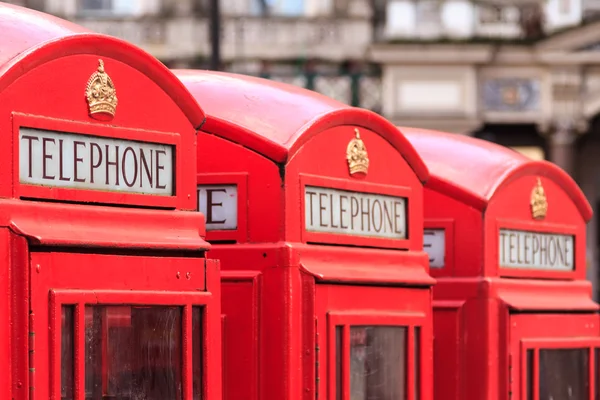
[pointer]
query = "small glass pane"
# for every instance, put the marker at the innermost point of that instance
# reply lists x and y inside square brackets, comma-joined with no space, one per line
[596,373]
[66,353]
[529,369]
[564,374]
[417,364]
[377,363]
[197,353]
[133,353]
[339,334]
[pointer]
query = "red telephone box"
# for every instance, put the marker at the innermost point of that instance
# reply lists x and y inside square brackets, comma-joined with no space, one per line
[325,286]
[513,313]
[107,292]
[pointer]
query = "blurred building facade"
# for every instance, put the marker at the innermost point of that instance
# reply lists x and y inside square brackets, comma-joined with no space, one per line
[522,73]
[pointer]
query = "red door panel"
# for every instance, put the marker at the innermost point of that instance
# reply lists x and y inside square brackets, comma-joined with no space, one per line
[553,356]
[373,342]
[106,327]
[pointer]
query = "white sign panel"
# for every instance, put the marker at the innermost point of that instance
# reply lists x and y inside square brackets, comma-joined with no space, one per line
[219,204]
[75,161]
[434,244]
[534,250]
[353,213]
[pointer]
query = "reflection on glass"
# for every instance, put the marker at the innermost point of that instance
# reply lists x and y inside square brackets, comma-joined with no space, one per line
[377,363]
[529,374]
[133,353]
[66,353]
[339,333]
[417,364]
[564,374]
[197,352]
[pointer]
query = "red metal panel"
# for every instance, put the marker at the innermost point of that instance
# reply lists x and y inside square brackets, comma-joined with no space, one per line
[276,119]
[33,38]
[357,265]
[167,281]
[95,226]
[473,170]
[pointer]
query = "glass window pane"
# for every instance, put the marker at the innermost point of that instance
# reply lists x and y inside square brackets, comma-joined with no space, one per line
[596,373]
[339,334]
[197,354]
[66,353]
[530,374]
[564,374]
[417,364]
[377,363]
[133,352]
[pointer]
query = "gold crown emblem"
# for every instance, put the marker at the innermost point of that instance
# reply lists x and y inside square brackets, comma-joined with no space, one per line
[539,204]
[356,154]
[101,94]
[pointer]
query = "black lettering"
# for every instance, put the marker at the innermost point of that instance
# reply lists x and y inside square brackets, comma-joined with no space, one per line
[342,211]
[30,161]
[503,246]
[536,248]
[377,203]
[511,246]
[159,167]
[114,164]
[331,211]
[124,165]
[310,202]
[144,167]
[321,209]
[527,261]
[398,228]
[388,218]
[77,160]
[363,214]
[95,165]
[353,210]
[551,250]
[210,204]
[60,162]
[46,156]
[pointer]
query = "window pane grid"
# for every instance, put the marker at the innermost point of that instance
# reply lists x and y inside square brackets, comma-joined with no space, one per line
[374,362]
[123,352]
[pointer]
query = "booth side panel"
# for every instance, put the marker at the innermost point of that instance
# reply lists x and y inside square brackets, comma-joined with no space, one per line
[481,363]
[463,226]
[281,333]
[240,336]
[258,180]
[447,349]
[18,277]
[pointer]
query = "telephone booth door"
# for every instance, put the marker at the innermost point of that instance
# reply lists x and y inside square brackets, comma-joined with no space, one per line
[117,326]
[554,356]
[372,340]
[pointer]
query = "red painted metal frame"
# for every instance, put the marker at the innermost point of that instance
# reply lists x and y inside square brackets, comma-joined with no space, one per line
[356,186]
[410,320]
[81,298]
[169,281]
[581,332]
[90,129]
[240,234]
[447,224]
[532,226]
[555,343]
